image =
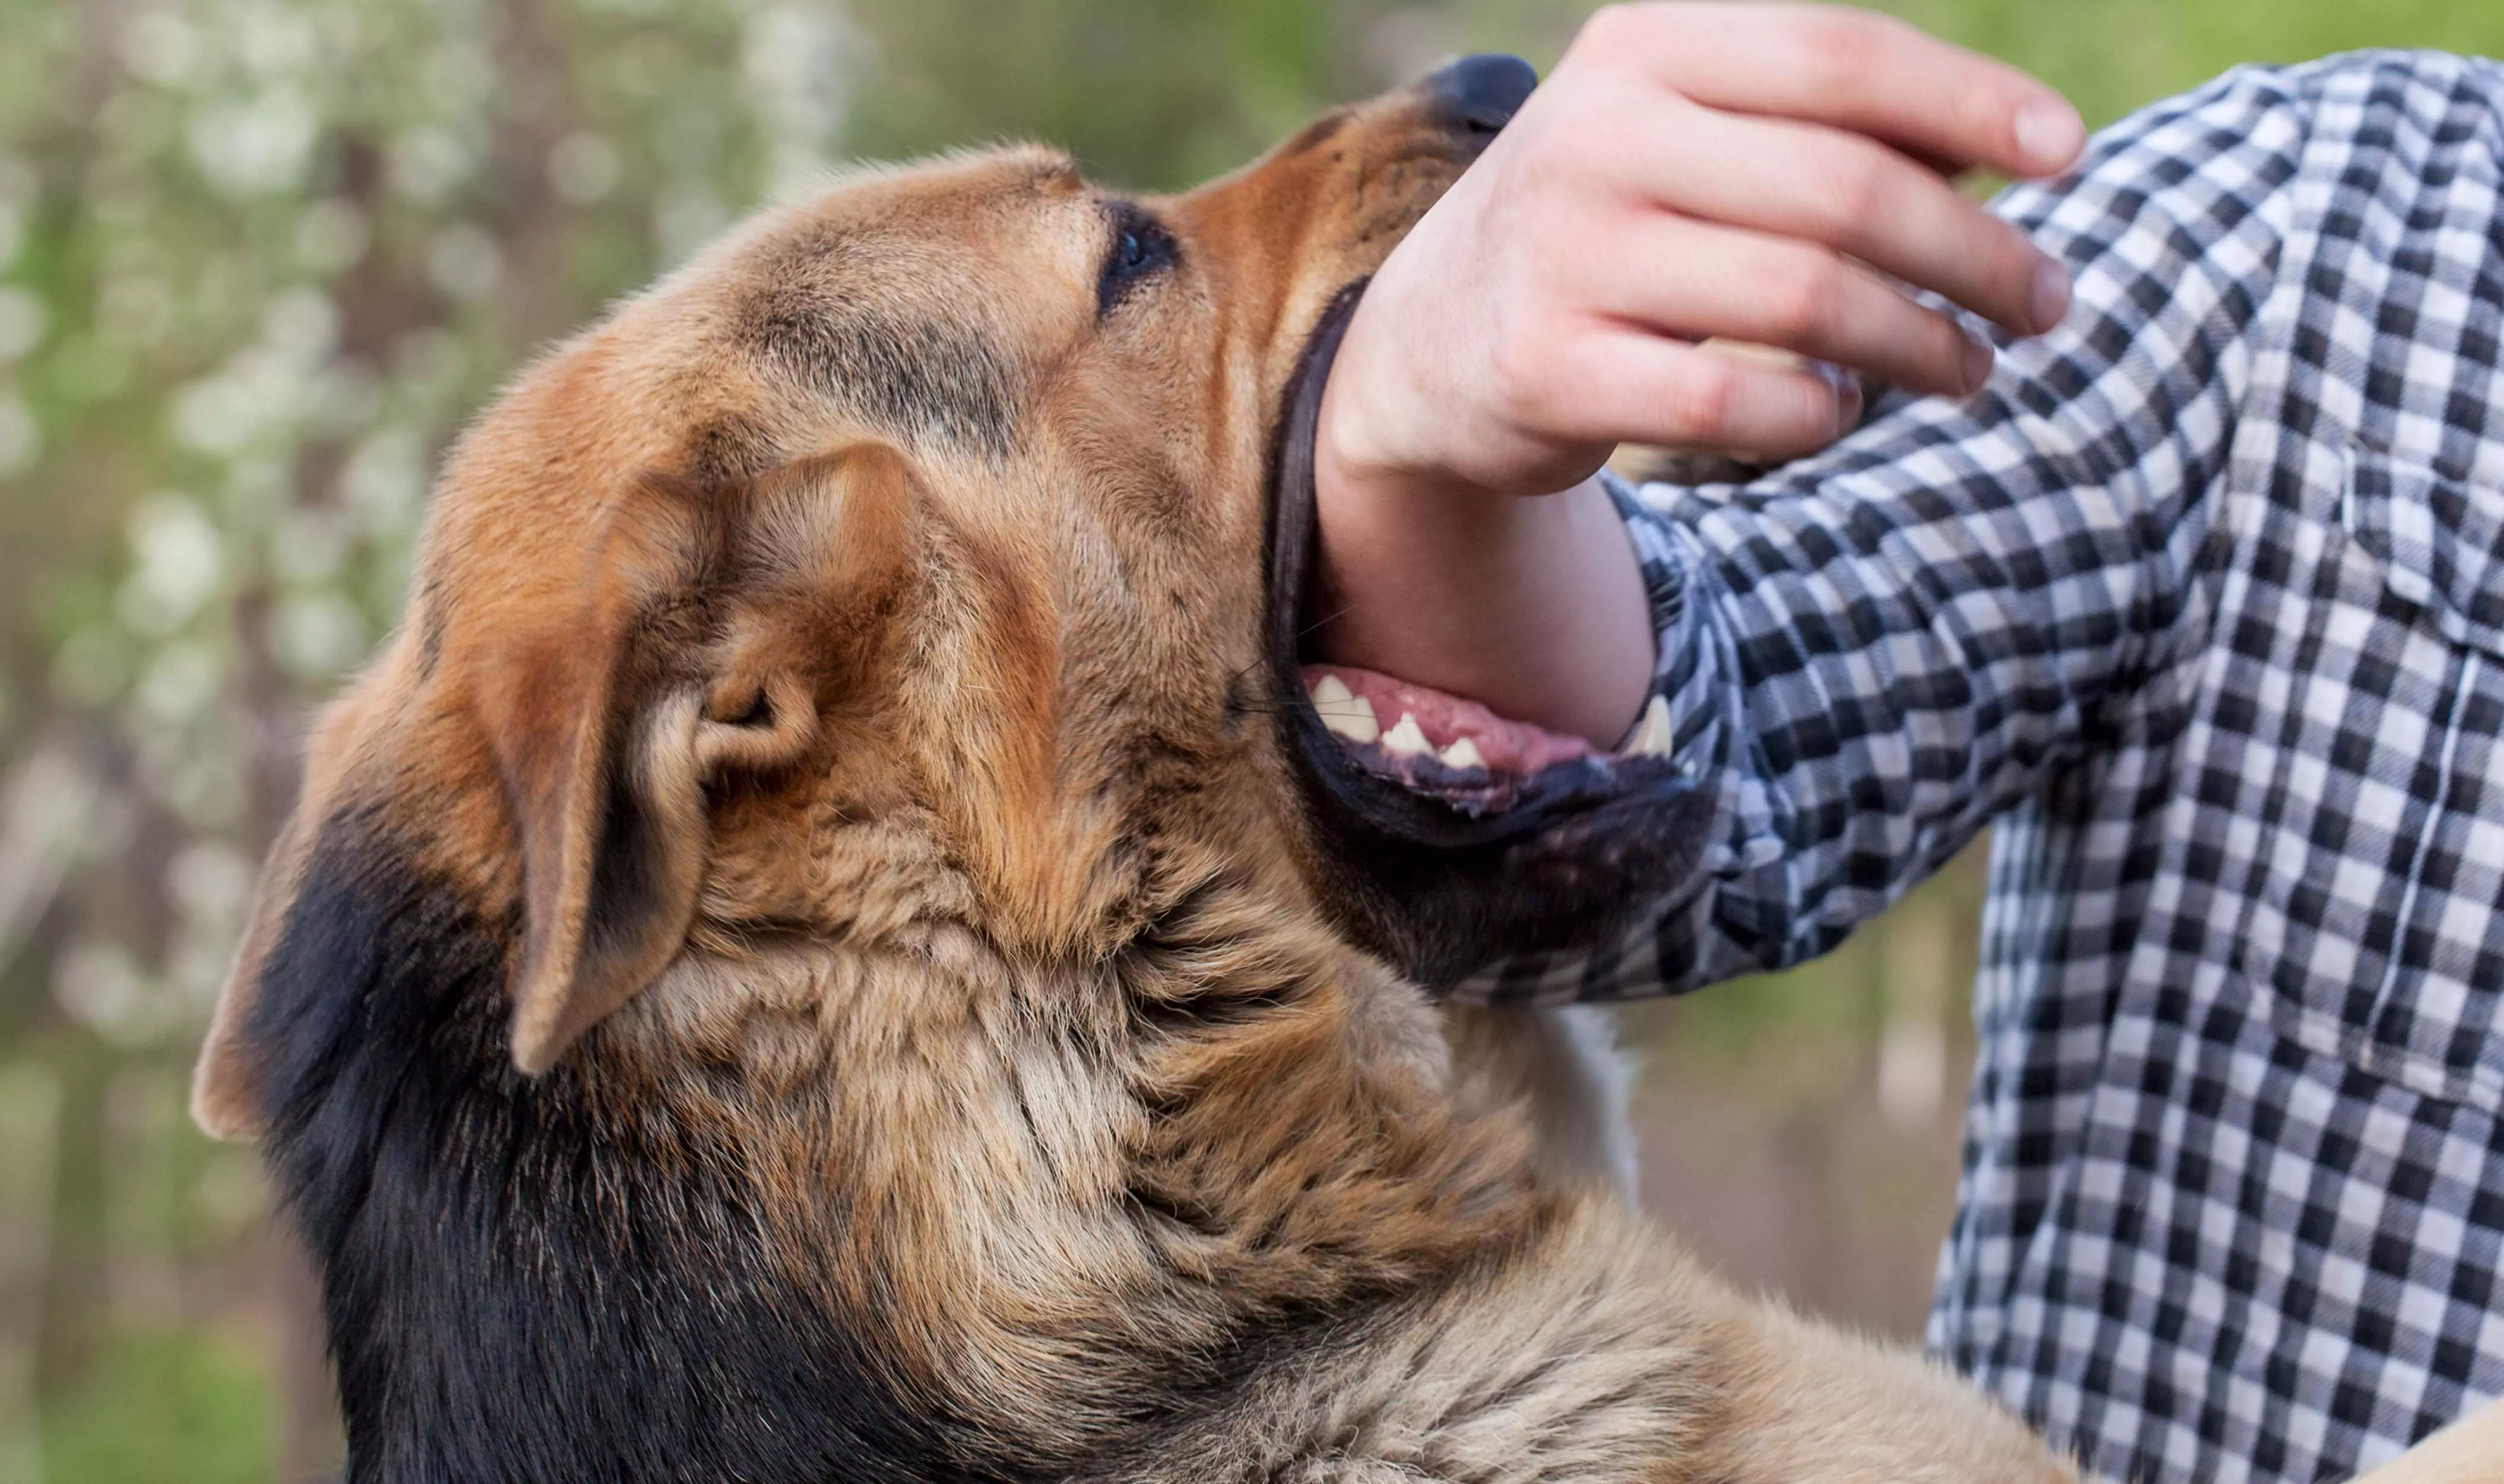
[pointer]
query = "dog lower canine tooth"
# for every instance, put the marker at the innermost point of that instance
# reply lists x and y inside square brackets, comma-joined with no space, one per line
[1346,713]
[1652,737]
[828,946]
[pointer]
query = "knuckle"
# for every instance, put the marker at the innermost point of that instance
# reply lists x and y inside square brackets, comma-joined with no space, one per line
[1833,41]
[1993,270]
[1802,295]
[1936,345]
[1981,113]
[1633,36]
[2017,256]
[1840,49]
[1701,398]
[1571,122]
[1862,31]
[1854,188]
[1520,377]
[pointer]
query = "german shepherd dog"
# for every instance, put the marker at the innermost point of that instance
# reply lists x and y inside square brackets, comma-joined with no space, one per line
[834,944]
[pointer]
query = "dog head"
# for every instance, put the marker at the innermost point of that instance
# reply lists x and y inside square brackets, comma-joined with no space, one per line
[927,547]
[929,542]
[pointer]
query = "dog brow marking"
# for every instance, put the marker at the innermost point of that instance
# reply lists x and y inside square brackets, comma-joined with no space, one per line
[926,377]
[1314,135]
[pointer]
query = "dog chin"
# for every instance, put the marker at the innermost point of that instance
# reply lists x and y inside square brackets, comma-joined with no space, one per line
[1448,836]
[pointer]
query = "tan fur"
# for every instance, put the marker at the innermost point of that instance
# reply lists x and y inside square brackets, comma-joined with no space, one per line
[1562,1063]
[973,892]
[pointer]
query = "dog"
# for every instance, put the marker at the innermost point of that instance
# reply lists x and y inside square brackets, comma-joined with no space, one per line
[834,944]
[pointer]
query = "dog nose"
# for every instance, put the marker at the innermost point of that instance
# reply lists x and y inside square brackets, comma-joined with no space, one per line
[1481,93]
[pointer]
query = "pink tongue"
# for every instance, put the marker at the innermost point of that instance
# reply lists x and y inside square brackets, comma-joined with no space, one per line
[1504,746]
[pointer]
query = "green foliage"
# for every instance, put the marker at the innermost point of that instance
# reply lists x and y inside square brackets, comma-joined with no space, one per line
[182,1405]
[2111,56]
[1146,92]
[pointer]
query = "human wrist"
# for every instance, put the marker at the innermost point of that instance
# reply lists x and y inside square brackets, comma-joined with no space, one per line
[1532,605]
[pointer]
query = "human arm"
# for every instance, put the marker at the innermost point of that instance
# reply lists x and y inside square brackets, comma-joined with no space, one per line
[1690,171]
[1869,653]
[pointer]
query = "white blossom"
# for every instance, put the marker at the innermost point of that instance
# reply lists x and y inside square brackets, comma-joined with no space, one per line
[258,146]
[178,562]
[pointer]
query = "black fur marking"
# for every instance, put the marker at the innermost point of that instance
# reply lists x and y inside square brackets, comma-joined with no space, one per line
[1313,136]
[426,608]
[626,880]
[523,1282]
[1441,891]
[727,451]
[929,378]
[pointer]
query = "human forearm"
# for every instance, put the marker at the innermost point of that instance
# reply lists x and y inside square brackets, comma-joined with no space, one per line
[1535,607]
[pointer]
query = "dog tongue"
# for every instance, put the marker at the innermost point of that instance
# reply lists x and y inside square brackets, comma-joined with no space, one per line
[1503,745]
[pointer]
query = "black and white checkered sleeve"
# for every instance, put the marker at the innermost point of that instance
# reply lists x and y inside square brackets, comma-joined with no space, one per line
[2202,603]
[1874,650]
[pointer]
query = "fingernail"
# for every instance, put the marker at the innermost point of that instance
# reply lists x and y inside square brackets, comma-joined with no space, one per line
[2050,135]
[2051,297]
[1977,365]
[1846,388]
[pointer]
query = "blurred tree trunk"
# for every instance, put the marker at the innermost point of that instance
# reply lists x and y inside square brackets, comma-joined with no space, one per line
[310,1443]
[72,1315]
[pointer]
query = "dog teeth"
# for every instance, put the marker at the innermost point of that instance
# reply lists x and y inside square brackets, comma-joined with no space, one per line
[1343,712]
[1463,753]
[1651,739]
[1406,740]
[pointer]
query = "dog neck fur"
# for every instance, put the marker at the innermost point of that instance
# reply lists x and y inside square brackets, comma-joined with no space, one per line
[898,1205]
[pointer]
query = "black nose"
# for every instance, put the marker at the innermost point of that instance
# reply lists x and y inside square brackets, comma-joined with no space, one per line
[1481,93]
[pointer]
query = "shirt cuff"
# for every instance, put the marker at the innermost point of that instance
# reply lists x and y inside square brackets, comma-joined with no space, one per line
[1697,697]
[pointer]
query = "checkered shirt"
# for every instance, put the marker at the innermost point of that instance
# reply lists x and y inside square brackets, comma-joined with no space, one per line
[2201,603]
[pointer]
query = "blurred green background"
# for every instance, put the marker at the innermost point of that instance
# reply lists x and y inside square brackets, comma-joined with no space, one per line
[258,259]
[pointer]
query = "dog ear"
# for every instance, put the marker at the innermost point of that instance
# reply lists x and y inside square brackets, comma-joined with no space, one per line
[608,767]
[611,782]
[686,660]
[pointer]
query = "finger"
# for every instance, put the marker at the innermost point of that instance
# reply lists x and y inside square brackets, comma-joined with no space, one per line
[1625,386]
[1693,280]
[1855,195]
[1857,71]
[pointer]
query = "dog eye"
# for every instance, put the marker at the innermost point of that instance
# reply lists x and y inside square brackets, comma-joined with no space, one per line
[1142,247]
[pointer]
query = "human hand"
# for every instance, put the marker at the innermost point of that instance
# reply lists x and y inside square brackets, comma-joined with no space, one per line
[1693,171]
[1766,174]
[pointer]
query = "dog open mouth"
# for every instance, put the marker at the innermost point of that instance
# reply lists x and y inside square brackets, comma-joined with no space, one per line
[1454,747]
[1449,835]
